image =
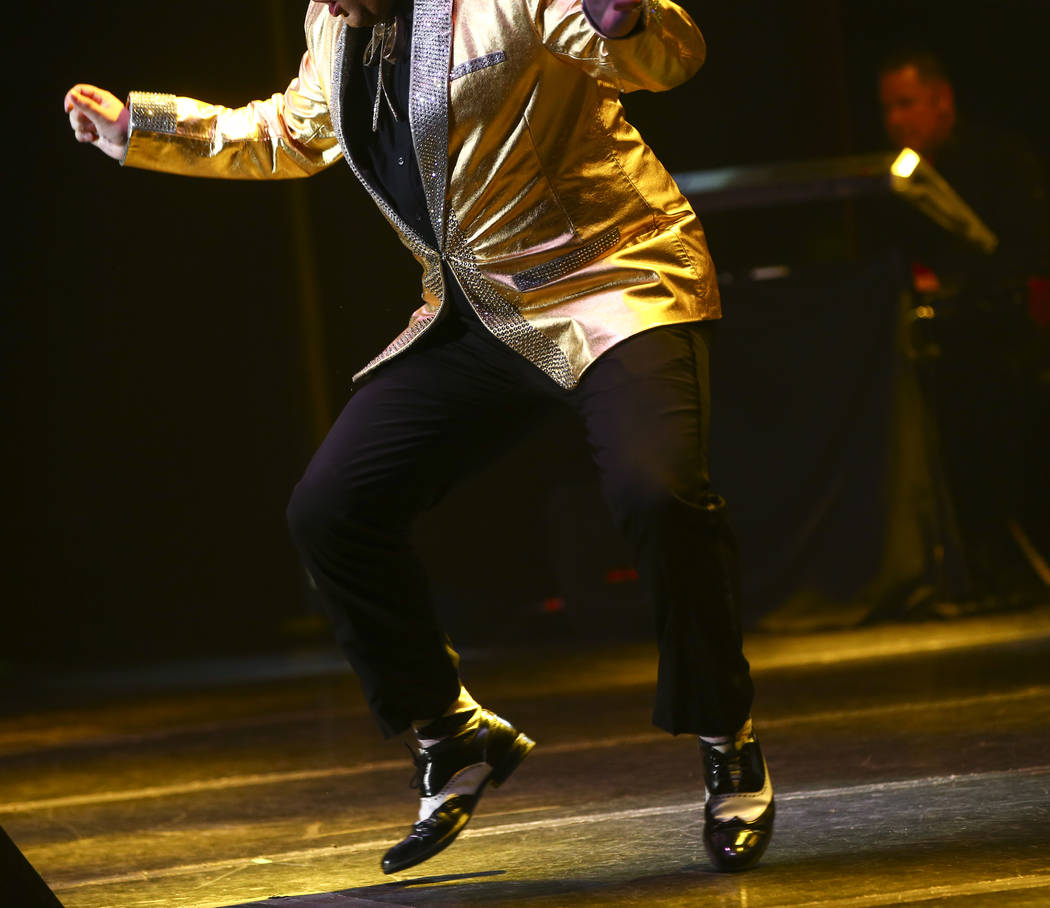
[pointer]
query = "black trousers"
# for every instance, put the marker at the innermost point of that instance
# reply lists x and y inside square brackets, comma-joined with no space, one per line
[446,407]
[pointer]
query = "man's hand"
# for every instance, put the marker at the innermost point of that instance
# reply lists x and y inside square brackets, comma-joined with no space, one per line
[99,118]
[613,18]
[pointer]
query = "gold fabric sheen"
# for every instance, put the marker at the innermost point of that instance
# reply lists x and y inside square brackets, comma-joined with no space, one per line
[564,230]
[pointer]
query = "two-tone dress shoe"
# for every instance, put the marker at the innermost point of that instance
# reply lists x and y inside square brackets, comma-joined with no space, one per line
[451,776]
[739,810]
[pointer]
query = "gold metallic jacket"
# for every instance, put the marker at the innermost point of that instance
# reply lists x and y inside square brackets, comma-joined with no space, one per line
[562,227]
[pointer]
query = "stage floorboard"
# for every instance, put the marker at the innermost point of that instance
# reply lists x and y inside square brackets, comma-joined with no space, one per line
[911,764]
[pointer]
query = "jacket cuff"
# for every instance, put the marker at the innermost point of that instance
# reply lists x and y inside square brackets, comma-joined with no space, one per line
[151,111]
[639,27]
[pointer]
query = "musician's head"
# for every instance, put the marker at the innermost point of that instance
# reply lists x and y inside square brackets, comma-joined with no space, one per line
[917,100]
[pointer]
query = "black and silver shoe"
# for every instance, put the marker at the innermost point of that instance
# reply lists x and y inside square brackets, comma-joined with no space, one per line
[451,775]
[739,811]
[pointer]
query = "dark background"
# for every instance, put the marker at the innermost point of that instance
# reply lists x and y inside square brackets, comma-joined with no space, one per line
[159,391]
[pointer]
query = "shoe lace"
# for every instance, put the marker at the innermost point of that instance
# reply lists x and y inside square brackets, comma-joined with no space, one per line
[419,761]
[726,767]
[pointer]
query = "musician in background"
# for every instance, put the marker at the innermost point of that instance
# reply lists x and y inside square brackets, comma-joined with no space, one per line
[997,173]
[986,372]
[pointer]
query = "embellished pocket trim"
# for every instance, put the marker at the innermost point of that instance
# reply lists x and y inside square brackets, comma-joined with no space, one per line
[533,278]
[471,66]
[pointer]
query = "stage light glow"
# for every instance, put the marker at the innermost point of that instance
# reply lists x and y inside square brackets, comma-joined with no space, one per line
[905,164]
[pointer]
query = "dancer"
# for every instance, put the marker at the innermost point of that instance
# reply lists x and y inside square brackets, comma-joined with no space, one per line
[561,267]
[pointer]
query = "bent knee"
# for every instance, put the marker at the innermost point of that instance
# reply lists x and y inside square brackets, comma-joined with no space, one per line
[323,512]
[647,502]
[645,497]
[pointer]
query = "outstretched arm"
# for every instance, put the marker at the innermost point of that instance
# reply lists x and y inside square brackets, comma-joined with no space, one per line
[287,135]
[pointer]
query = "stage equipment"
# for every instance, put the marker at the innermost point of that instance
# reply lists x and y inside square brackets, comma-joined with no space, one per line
[905,174]
[924,563]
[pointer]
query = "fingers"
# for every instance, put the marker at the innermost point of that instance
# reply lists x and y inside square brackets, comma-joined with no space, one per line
[83,128]
[73,97]
[85,105]
[83,100]
[77,120]
[92,101]
[92,93]
[99,118]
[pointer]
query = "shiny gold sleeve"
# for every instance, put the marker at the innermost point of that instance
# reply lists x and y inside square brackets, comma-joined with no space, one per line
[665,50]
[288,135]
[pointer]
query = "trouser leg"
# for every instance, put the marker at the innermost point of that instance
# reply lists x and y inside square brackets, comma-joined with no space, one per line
[645,405]
[422,422]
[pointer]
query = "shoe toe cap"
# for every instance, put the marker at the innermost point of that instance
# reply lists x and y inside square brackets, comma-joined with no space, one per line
[735,845]
[430,836]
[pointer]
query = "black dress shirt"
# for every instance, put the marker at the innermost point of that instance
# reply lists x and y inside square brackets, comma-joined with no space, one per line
[389,151]
[387,156]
